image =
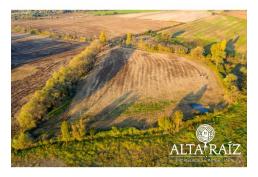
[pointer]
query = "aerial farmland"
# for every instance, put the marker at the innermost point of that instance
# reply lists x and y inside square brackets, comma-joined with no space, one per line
[86,83]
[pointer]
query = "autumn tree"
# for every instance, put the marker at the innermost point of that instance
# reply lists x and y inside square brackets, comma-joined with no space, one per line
[65,131]
[128,41]
[230,81]
[102,37]
[218,53]
[78,130]
[177,119]
[197,52]
[22,140]
[164,123]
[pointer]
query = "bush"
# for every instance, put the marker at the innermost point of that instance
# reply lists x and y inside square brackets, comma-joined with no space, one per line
[128,41]
[23,140]
[102,37]
[171,124]
[34,31]
[78,130]
[177,119]
[65,131]
[230,81]
[218,53]
[197,52]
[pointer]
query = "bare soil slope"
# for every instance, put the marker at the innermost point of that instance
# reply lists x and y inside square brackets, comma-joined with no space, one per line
[125,77]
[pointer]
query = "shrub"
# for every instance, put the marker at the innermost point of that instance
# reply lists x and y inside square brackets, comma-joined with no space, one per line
[34,31]
[102,37]
[171,124]
[78,130]
[128,41]
[197,52]
[164,123]
[65,131]
[230,81]
[23,140]
[218,52]
[177,120]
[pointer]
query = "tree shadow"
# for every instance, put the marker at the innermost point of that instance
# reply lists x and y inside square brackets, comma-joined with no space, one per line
[207,48]
[29,50]
[230,46]
[106,118]
[178,33]
[185,104]
[102,74]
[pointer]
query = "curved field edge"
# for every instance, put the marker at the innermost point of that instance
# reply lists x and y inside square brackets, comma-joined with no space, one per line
[132,147]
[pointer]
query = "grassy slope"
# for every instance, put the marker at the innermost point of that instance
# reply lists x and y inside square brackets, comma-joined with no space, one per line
[139,148]
[214,28]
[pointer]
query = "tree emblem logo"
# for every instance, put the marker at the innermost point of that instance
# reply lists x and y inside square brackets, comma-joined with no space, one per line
[205,133]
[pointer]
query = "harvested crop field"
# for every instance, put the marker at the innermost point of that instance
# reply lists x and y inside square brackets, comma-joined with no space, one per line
[177,16]
[213,29]
[26,47]
[90,26]
[132,87]
[27,78]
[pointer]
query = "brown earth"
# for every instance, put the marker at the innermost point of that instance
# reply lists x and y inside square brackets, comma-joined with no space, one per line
[90,26]
[177,16]
[126,76]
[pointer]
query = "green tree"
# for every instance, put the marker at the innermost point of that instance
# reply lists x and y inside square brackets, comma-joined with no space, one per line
[103,37]
[65,131]
[218,53]
[128,41]
[23,140]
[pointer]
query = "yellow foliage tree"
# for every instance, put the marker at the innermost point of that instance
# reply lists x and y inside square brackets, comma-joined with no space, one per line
[128,41]
[103,37]
[218,52]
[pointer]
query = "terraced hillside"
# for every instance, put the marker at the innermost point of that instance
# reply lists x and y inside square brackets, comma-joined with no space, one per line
[212,29]
[133,88]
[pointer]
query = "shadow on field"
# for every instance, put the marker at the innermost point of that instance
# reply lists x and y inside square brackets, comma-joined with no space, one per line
[108,115]
[184,105]
[101,75]
[34,49]
[178,33]
[230,47]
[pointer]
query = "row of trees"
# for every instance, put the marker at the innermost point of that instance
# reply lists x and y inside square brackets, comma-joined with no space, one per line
[51,34]
[58,88]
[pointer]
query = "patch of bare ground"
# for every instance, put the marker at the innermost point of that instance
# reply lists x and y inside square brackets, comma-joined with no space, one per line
[125,77]
[177,16]
[90,26]
[236,13]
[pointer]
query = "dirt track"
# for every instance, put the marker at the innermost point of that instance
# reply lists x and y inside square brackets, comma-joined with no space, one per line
[127,76]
